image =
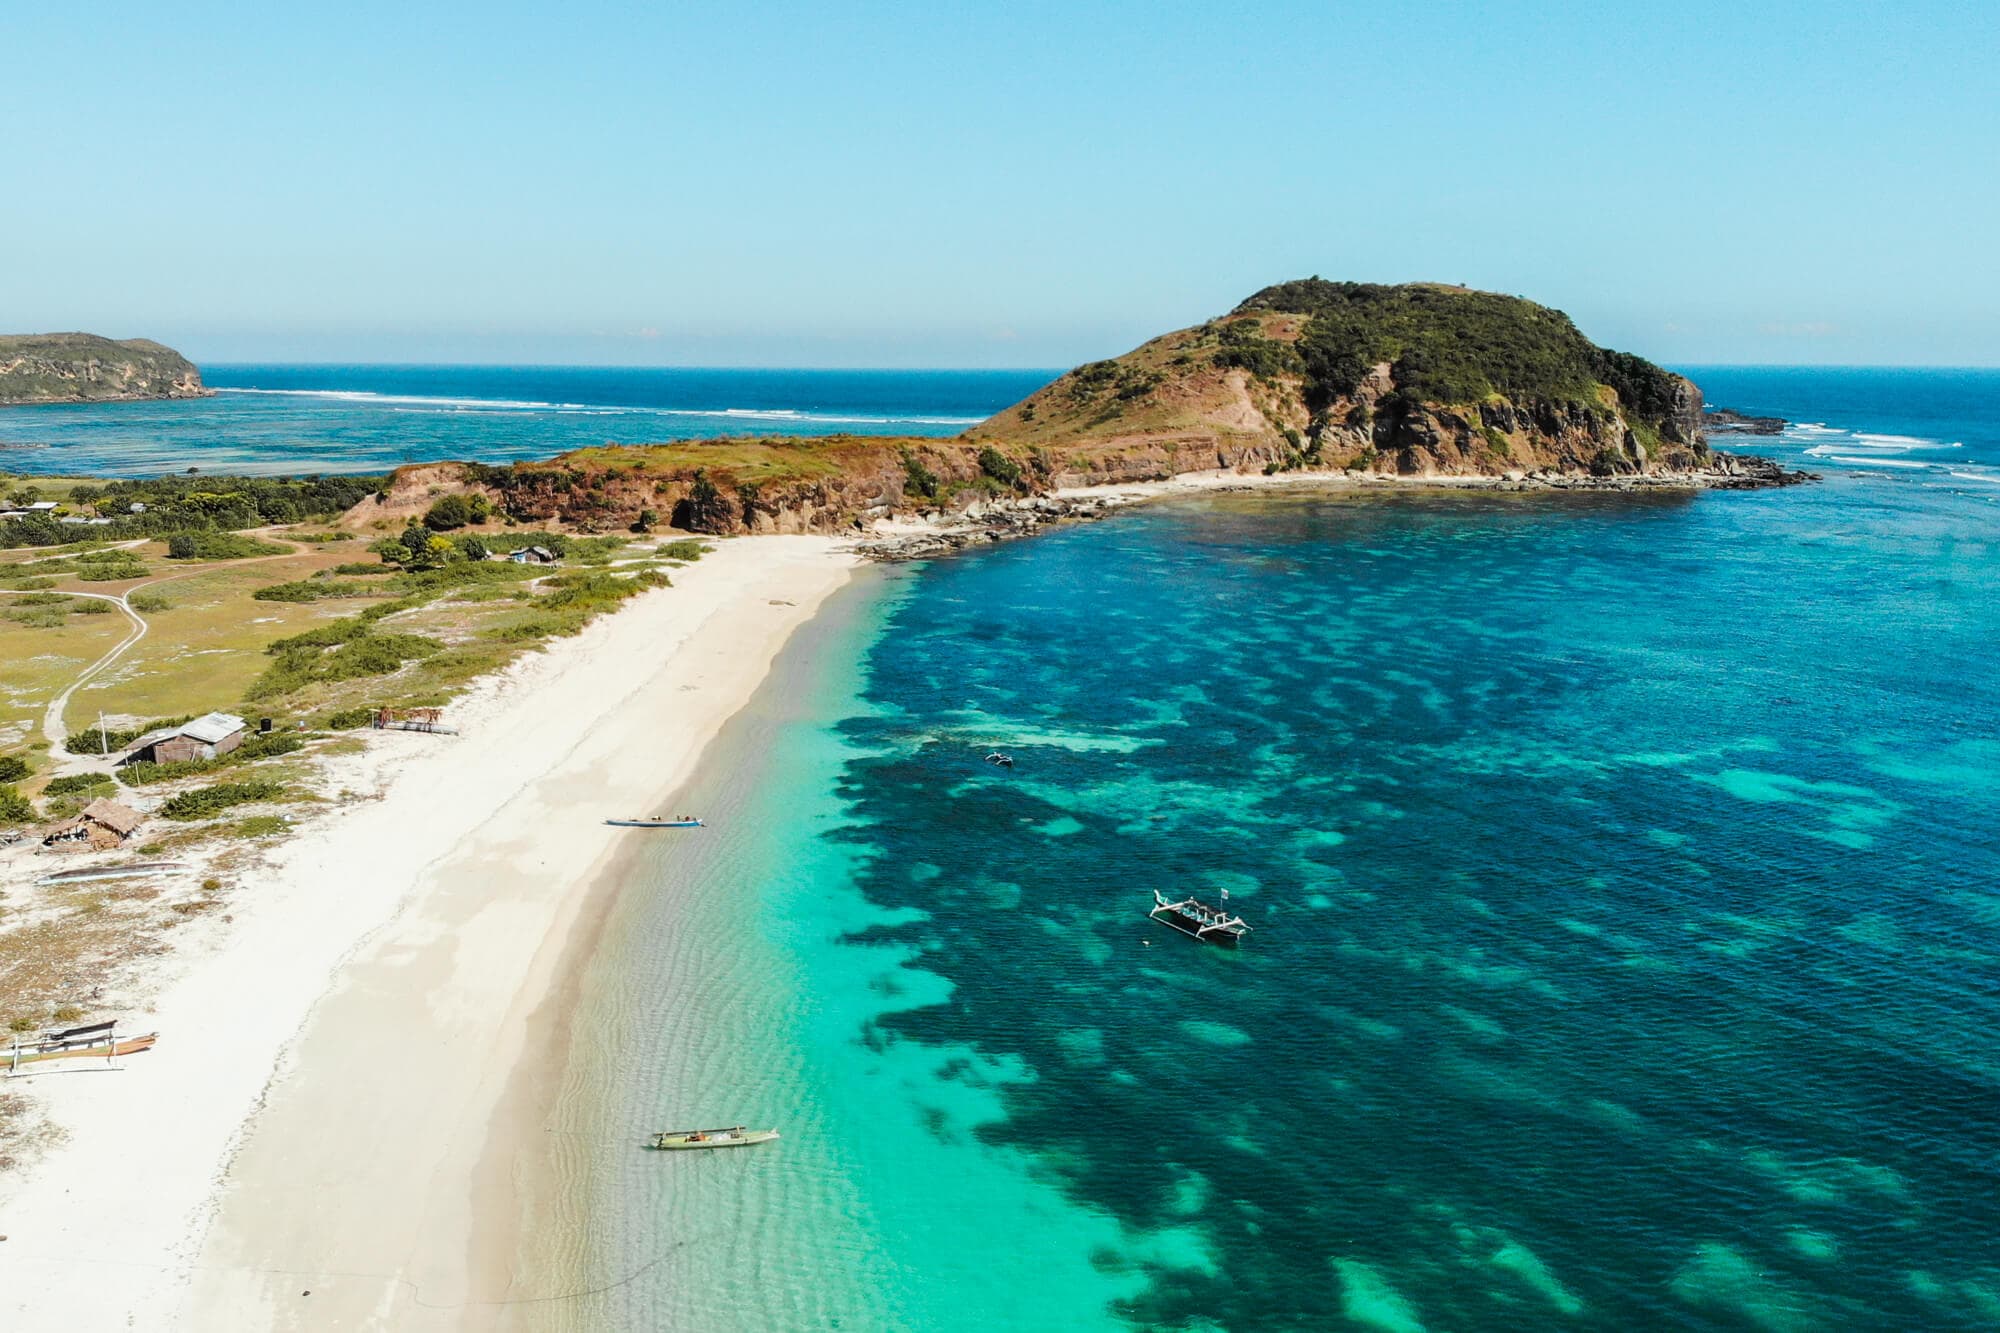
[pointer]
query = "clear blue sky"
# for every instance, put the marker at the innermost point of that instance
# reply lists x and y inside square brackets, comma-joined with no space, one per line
[942,184]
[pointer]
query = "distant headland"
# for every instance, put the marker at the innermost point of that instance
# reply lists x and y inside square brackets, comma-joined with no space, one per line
[84,368]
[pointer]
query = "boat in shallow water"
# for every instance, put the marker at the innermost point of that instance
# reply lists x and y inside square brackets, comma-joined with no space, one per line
[677,1140]
[1198,919]
[678,821]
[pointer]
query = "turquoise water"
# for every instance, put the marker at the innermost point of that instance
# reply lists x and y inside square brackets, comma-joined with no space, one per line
[1627,907]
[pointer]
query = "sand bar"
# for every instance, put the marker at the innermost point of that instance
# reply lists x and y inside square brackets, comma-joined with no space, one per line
[324,1084]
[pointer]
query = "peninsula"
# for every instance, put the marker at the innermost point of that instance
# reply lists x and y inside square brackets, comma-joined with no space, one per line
[1421,382]
[84,368]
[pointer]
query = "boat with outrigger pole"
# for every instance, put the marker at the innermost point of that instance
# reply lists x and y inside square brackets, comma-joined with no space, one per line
[681,1140]
[1212,925]
[662,821]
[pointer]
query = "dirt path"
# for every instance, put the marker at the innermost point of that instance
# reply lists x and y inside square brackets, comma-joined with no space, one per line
[53,727]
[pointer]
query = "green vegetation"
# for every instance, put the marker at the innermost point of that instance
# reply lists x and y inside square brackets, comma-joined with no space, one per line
[313,590]
[163,506]
[457,511]
[76,782]
[205,801]
[148,601]
[1451,345]
[688,549]
[109,566]
[999,467]
[918,480]
[1243,344]
[214,544]
[111,740]
[341,650]
[13,768]
[14,807]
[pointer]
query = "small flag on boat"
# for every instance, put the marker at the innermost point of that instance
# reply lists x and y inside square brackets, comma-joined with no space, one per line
[1225,895]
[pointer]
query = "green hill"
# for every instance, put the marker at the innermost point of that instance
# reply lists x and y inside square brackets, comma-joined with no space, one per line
[83,368]
[1420,379]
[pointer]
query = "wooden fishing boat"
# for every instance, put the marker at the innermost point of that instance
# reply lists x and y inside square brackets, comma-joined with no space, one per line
[138,870]
[682,1140]
[48,1049]
[1211,925]
[678,821]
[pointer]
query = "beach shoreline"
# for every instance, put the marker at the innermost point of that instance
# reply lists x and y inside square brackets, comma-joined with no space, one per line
[321,1095]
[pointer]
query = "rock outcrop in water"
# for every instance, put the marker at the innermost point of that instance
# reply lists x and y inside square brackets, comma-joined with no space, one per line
[1723,421]
[84,368]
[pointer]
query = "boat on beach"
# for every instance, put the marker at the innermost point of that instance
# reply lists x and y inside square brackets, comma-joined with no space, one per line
[678,821]
[681,1140]
[1190,917]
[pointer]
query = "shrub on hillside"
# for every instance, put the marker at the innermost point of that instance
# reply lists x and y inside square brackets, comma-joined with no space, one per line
[76,782]
[214,544]
[205,801]
[451,512]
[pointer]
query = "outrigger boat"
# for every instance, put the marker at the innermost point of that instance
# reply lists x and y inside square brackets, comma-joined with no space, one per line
[678,821]
[1000,759]
[1199,920]
[680,1140]
[98,1041]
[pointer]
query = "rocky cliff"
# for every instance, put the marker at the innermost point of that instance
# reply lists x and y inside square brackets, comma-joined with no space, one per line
[84,368]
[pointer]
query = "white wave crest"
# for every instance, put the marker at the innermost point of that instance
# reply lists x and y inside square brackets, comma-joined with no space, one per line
[428,405]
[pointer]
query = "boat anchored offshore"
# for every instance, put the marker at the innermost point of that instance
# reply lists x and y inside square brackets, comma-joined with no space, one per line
[1000,759]
[1199,920]
[680,1140]
[678,821]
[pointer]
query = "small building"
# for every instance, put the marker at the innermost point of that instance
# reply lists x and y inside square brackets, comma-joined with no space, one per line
[136,507]
[204,738]
[101,825]
[42,507]
[534,555]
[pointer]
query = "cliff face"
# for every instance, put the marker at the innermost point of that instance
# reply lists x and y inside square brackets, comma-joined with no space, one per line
[84,368]
[1414,381]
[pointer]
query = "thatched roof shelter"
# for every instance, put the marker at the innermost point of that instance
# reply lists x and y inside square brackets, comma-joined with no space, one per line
[102,823]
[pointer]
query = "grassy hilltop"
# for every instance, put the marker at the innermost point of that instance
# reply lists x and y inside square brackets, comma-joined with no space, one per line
[1421,379]
[82,367]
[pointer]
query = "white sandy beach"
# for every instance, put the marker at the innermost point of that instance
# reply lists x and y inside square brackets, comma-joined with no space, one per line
[313,1116]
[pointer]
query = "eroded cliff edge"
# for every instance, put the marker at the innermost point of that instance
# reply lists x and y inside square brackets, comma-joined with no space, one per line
[84,368]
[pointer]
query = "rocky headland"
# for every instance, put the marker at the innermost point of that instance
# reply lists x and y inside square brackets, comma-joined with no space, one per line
[84,368]
[1356,382]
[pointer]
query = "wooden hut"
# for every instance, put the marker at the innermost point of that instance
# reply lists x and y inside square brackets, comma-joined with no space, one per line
[204,738]
[101,825]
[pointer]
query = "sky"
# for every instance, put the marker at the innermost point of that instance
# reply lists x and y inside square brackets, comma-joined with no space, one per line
[1022,185]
